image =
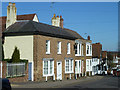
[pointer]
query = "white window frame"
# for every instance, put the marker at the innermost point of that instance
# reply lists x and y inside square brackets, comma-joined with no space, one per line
[78,49]
[59,47]
[88,45]
[48,48]
[69,66]
[68,48]
[49,74]
[78,68]
[88,65]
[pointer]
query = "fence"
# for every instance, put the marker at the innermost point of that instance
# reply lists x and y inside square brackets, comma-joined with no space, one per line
[15,69]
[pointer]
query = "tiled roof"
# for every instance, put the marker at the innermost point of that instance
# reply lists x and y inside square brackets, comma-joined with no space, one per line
[37,28]
[19,17]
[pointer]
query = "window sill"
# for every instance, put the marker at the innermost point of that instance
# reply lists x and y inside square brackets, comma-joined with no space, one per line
[59,53]
[48,53]
[77,55]
[48,75]
[68,53]
[68,72]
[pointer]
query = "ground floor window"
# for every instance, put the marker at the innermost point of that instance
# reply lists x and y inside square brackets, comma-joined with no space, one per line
[78,66]
[48,67]
[69,66]
[88,65]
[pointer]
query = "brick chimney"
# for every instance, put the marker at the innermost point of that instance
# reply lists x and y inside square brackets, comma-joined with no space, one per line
[61,22]
[11,14]
[88,37]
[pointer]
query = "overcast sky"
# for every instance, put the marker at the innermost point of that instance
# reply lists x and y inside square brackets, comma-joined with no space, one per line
[97,19]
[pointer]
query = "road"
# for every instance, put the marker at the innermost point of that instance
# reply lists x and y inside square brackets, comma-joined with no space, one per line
[105,82]
[88,82]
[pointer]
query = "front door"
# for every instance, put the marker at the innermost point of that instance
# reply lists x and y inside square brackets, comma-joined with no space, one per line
[59,70]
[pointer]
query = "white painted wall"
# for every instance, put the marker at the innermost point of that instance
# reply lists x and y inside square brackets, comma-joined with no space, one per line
[35,18]
[23,43]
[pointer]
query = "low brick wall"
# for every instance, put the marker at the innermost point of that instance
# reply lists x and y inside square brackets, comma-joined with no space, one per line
[14,79]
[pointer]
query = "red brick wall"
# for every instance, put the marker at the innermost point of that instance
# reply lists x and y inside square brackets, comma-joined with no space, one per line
[96,50]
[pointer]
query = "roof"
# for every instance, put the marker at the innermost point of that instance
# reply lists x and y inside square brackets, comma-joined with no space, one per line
[37,28]
[19,17]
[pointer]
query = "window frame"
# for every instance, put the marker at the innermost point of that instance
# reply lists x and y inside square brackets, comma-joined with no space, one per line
[79,65]
[69,66]
[47,46]
[68,48]
[49,68]
[59,47]
[79,49]
[88,46]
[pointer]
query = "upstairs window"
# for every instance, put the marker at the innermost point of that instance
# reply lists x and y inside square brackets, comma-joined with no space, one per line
[59,48]
[88,49]
[78,49]
[47,46]
[68,48]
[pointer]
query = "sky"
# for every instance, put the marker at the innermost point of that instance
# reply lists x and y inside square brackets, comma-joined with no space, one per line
[99,20]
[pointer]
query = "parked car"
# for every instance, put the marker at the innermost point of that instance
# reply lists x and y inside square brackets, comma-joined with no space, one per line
[6,84]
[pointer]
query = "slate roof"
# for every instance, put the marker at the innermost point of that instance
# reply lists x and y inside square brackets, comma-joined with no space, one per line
[36,28]
[19,17]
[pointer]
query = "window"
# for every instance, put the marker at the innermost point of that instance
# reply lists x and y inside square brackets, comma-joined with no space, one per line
[78,66]
[59,48]
[78,49]
[68,48]
[47,46]
[82,50]
[87,65]
[48,67]
[69,66]
[88,49]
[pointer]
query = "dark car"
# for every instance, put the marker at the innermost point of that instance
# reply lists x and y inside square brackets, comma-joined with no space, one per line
[6,84]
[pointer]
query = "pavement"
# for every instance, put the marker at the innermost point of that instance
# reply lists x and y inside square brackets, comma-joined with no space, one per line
[56,84]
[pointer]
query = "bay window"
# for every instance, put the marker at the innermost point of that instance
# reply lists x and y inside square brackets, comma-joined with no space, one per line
[78,66]
[69,66]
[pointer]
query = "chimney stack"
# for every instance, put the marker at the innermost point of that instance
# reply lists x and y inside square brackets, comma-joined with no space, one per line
[57,21]
[11,14]
[88,37]
[61,22]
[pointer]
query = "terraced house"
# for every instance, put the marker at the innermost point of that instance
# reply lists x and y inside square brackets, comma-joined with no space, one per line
[53,52]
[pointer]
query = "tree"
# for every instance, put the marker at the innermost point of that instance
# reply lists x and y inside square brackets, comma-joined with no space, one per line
[110,61]
[16,56]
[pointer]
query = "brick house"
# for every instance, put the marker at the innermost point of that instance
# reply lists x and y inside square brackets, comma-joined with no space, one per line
[53,52]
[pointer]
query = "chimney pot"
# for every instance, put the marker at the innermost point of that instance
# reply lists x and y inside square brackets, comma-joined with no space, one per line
[13,4]
[54,15]
[57,16]
[88,37]
[60,16]
[10,3]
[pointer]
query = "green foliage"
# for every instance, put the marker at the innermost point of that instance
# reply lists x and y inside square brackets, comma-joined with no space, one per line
[110,61]
[16,56]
